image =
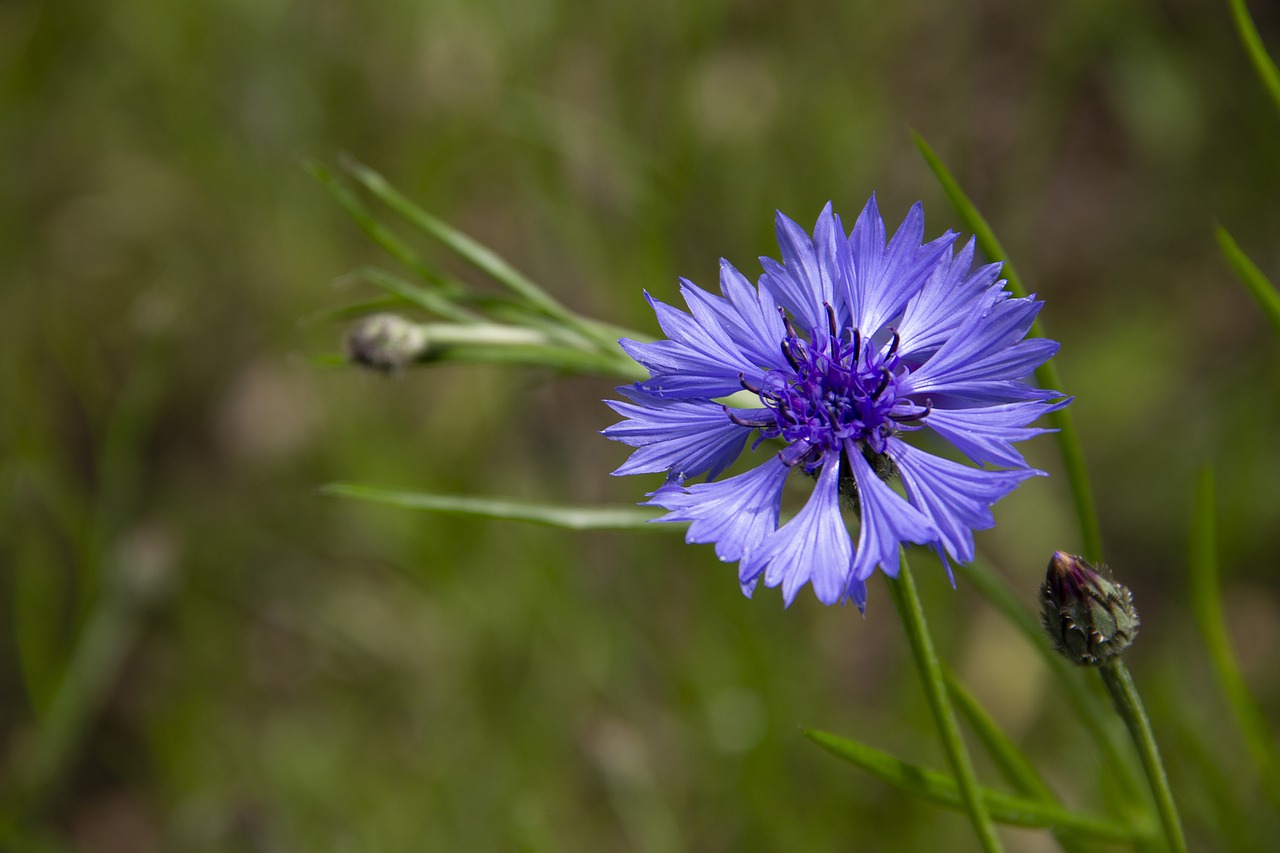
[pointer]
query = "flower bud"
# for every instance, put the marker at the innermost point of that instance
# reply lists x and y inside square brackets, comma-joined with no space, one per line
[385,342]
[1088,617]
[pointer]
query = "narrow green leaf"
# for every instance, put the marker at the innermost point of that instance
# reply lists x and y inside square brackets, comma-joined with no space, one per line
[385,238]
[1262,64]
[552,515]
[352,310]
[1206,603]
[1046,374]
[1259,285]
[424,298]
[553,357]
[1013,765]
[41,590]
[942,789]
[472,250]
[100,650]
[475,252]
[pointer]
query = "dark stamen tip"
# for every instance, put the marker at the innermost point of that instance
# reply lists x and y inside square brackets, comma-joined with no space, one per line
[790,356]
[885,376]
[831,320]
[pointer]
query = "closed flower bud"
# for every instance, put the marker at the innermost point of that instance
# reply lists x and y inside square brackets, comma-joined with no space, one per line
[385,342]
[1089,617]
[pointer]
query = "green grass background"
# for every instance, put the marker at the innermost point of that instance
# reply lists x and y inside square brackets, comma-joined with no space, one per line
[318,674]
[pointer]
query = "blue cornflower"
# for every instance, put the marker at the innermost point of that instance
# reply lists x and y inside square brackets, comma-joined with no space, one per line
[847,346]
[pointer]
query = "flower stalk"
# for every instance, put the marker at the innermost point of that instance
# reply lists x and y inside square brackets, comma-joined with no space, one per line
[1129,705]
[907,602]
[1092,621]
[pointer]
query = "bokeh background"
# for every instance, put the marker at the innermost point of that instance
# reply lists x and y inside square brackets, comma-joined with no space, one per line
[318,674]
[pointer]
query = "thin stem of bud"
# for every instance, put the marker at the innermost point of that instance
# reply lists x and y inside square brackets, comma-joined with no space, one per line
[1129,705]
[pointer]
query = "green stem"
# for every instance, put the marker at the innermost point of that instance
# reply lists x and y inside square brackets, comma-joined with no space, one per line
[1047,374]
[1262,64]
[907,601]
[1206,604]
[1125,695]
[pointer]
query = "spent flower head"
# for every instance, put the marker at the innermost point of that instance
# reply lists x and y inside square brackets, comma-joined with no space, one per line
[844,348]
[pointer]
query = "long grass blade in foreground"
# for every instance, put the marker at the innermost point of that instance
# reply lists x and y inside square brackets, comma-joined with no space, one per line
[942,789]
[1259,285]
[551,515]
[907,602]
[1206,603]
[1262,64]
[1046,374]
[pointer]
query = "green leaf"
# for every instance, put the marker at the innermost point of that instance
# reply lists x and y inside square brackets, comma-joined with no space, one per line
[472,250]
[1259,285]
[942,789]
[41,588]
[552,515]
[1262,64]
[1046,374]
[397,248]
[415,294]
[476,253]
[1013,765]
[553,357]
[1206,603]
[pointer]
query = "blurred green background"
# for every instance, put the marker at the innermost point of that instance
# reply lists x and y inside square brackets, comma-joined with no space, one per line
[316,674]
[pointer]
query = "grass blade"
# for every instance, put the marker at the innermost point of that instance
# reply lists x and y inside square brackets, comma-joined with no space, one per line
[1259,285]
[551,515]
[1009,760]
[1046,374]
[1262,64]
[1206,603]
[384,237]
[474,252]
[942,789]
[425,298]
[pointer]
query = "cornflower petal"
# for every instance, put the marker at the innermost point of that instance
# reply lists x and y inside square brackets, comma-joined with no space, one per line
[797,283]
[887,520]
[886,276]
[813,546]
[735,513]
[949,295]
[685,437]
[958,498]
[986,434]
[851,343]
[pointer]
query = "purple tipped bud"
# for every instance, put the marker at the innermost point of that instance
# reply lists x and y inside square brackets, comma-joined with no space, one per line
[1088,617]
[385,342]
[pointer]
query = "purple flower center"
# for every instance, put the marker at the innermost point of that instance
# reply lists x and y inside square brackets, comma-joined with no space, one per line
[841,388]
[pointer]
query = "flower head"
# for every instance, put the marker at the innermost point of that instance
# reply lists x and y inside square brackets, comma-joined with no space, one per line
[844,348]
